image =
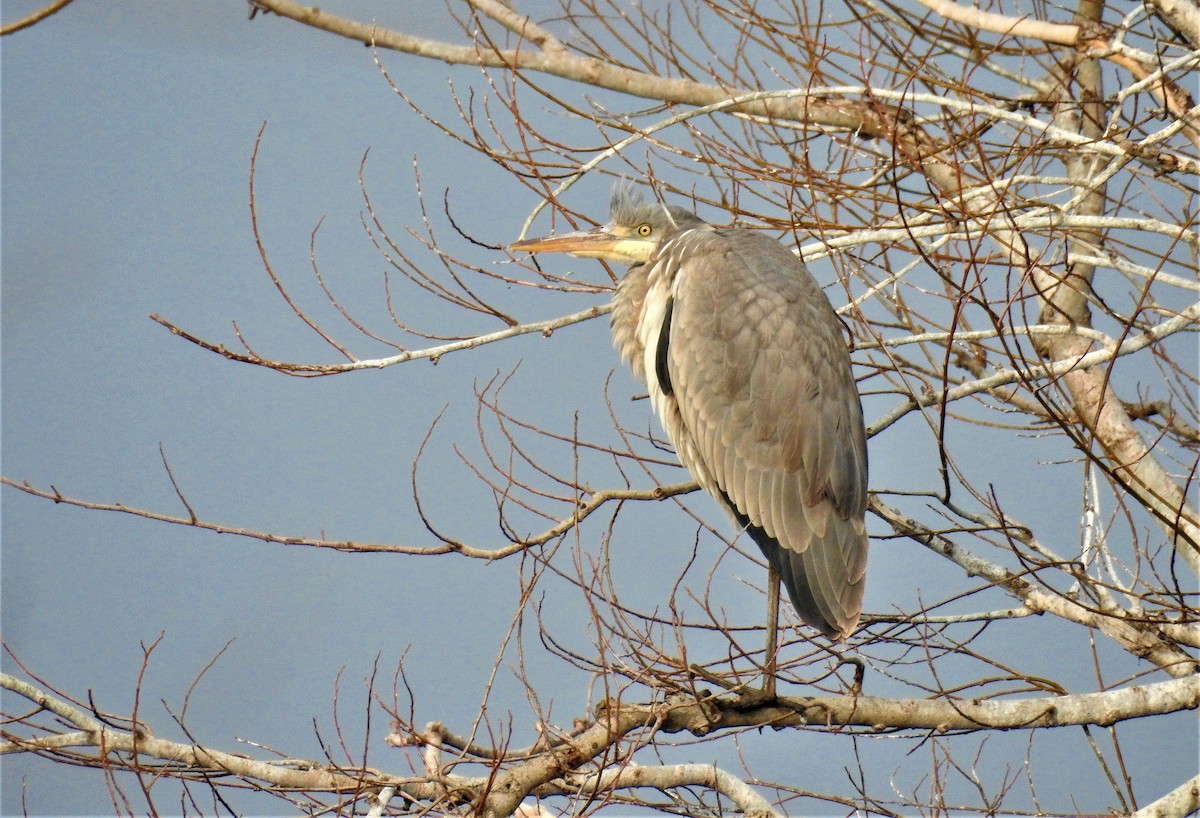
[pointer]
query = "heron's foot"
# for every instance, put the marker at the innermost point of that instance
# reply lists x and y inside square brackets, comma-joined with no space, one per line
[753,697]
[746,695]
[860,670]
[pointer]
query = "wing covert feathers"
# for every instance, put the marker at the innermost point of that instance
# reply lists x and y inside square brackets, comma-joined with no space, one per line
[753,383]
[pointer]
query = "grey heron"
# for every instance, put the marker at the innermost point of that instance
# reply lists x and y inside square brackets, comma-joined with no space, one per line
[749,372]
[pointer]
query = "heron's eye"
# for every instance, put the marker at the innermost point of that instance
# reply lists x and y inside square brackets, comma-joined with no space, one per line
[644,230]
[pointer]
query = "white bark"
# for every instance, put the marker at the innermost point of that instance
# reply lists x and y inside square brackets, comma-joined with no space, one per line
[1182,801]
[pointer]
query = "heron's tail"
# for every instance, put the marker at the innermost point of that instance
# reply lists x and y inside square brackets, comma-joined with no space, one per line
[825,582]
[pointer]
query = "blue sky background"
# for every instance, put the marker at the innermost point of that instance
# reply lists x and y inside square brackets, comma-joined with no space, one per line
[127,132]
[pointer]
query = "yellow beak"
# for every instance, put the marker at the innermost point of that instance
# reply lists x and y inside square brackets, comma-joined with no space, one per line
[607,242]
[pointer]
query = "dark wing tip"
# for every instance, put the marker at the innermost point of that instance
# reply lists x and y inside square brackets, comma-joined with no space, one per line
[813,592]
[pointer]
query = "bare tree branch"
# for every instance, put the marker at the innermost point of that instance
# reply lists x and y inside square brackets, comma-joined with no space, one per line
[35,17]
[1180,802]
[1138,638]
[1005,210]
[1181,15]
[1063,34]
[502,794]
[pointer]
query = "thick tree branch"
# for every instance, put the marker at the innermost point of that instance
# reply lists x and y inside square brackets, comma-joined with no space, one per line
[1181,15]
[501,794]
[1178,803]
[1139,638]
[855,116]
[748,801]
[944,714]
[1063,34]
[868,120]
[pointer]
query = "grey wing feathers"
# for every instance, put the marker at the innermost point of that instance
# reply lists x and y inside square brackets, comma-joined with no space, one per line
[762,379]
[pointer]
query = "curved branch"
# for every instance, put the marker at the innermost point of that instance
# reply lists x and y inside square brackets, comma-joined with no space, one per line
[36,17]
[585,509]
[749,803]
[191,522]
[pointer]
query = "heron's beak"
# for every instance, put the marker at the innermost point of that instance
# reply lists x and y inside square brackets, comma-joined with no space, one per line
[607,242]
[594,242]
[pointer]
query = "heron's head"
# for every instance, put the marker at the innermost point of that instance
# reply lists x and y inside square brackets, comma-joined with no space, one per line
[634,231]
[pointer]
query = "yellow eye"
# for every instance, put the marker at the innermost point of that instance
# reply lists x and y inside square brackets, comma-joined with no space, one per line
[644,230]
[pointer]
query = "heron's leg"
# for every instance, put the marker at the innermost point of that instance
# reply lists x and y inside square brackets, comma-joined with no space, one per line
[770,667]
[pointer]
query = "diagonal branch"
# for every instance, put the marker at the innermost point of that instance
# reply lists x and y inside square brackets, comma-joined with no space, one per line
[1060,33]
[869,120]
[1180,802]
[1181,15]
[1139,638]
[35,17]
[432,354]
